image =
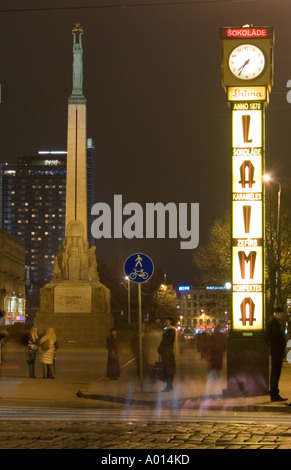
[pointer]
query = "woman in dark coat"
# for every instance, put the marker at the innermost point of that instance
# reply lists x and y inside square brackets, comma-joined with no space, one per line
[32,350]
[166,351]
[113,370]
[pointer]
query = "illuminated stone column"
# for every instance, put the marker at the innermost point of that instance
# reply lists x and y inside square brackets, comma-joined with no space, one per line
[76,181]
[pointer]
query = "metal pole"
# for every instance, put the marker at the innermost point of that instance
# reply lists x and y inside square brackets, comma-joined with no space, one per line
[278,274]
[140,338]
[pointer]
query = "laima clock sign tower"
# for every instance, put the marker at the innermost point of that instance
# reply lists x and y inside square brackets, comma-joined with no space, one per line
[247,76]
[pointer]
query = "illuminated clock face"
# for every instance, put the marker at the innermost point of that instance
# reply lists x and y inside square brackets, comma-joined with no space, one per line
[246,62]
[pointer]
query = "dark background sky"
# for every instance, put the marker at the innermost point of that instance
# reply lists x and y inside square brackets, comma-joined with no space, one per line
[156,109]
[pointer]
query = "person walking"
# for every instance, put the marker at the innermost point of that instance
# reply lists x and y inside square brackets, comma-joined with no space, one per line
[32,350]
[216,350]
[150,343]
[47,343]
[167,350]
[277,344]
[113,369]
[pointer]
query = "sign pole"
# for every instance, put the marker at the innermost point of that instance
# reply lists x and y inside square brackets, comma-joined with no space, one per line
[140,338]
[139,268]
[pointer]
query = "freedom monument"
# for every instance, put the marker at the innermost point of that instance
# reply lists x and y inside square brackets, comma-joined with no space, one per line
[75,303]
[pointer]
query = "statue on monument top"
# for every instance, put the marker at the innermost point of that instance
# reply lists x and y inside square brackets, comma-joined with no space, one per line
[77,60]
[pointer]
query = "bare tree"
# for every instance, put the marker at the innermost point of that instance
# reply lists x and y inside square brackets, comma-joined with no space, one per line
[213,259]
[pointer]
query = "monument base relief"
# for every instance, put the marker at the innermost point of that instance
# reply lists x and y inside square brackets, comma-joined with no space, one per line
[75,303]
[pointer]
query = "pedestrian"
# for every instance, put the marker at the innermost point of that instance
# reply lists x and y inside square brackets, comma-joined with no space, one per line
[32,351]
[167,349]
[215,355]
[113,369]
[150,343]
[47,343]
[204,344]
[216,350]
[277,344]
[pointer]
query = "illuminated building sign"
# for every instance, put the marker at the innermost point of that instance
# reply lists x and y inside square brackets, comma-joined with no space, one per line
[181,288]
[215,287]
[246,33]
[51,162]
[247,94]
[247,210]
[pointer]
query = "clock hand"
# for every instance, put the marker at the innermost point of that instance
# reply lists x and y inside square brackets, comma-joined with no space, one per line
[243,66]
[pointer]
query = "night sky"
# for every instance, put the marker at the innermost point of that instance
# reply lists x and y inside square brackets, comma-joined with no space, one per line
[155,105]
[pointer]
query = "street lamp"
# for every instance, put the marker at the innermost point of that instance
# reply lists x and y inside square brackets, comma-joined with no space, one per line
[273,180]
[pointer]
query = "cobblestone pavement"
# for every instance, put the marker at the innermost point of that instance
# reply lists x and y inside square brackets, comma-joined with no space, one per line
[151,435]
[40,415]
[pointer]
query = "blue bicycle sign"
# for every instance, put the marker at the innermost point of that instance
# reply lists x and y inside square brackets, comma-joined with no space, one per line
[138,267]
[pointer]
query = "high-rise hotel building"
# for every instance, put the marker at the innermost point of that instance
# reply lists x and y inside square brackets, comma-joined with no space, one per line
[33,193]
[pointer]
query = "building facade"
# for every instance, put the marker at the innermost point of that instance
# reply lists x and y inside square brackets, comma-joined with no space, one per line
[12,278]
[204,308]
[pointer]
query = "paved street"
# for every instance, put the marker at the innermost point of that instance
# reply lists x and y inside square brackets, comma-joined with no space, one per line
[109,430]
[50,414]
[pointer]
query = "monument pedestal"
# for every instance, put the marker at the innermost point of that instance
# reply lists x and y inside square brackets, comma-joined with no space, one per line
[79,311]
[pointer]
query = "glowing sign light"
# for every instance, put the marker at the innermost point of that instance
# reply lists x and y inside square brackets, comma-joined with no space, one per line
[247,94]
[242,33]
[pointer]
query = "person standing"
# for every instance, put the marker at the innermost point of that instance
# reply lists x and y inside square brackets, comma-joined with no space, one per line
[166,350]
[277,344]
[113,369]
[48,342]
[3,335]
[32,350]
